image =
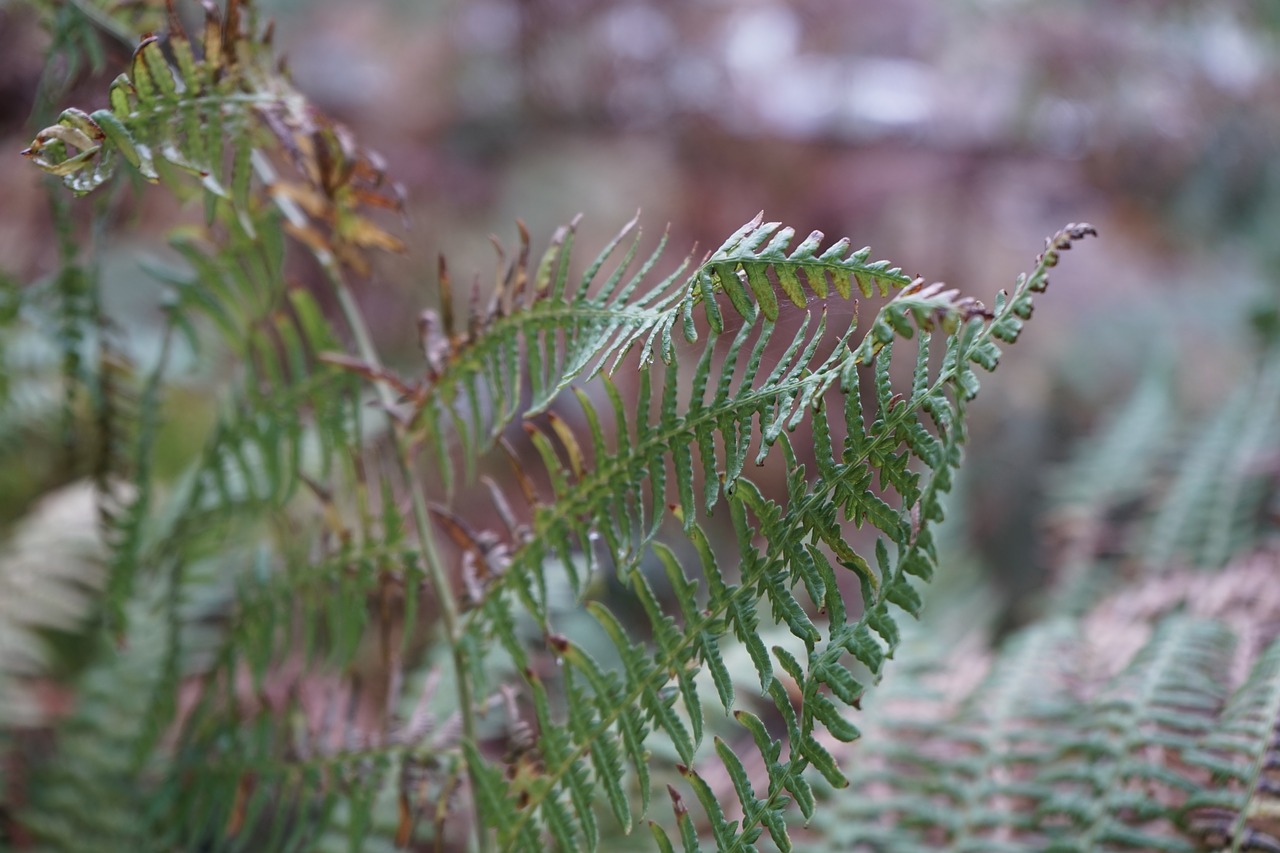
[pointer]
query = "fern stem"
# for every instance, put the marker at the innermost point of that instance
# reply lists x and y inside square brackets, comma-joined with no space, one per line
[426,536]
[477,840]
[437,576]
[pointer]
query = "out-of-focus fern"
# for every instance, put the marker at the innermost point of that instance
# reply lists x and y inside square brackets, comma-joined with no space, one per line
[1100,492]
[1132,728]
[1209,512]
[50,571]
[215,112]
[1237,811]
[100,749]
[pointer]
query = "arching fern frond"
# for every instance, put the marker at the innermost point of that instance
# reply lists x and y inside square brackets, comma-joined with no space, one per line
[569,331]
[618,492]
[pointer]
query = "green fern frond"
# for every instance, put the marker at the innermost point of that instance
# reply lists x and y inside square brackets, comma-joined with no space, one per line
[538,329]
[570,332]
[618,491]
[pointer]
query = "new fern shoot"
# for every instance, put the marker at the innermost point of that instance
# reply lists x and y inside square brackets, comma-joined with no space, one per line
[284,700]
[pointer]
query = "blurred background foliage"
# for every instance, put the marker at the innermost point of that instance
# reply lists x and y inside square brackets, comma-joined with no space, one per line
[950,137]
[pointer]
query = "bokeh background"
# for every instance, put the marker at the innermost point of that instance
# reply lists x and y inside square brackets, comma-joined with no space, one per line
[951,137]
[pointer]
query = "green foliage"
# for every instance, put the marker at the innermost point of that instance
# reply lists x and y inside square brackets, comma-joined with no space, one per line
[1131,728]
[1210,512]
[620,496]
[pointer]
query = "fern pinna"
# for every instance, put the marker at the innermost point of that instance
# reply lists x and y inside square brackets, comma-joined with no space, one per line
[649,492]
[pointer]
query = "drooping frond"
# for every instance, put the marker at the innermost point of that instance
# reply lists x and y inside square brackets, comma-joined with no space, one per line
[612,497]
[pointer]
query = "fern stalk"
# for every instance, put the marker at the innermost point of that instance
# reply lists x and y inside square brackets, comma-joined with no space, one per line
[426,537]
[439,580]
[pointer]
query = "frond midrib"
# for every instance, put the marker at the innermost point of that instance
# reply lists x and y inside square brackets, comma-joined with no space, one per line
[507,330]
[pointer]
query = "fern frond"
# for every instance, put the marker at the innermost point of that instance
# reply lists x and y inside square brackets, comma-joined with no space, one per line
[617,492]
[1109,480]
[32,396]
[571,331]
[1159,706]
[539,329]
[1239,752]
[1117,463]
[950,767]
[99,759]
[214,113]
[324,781]
[50,575]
